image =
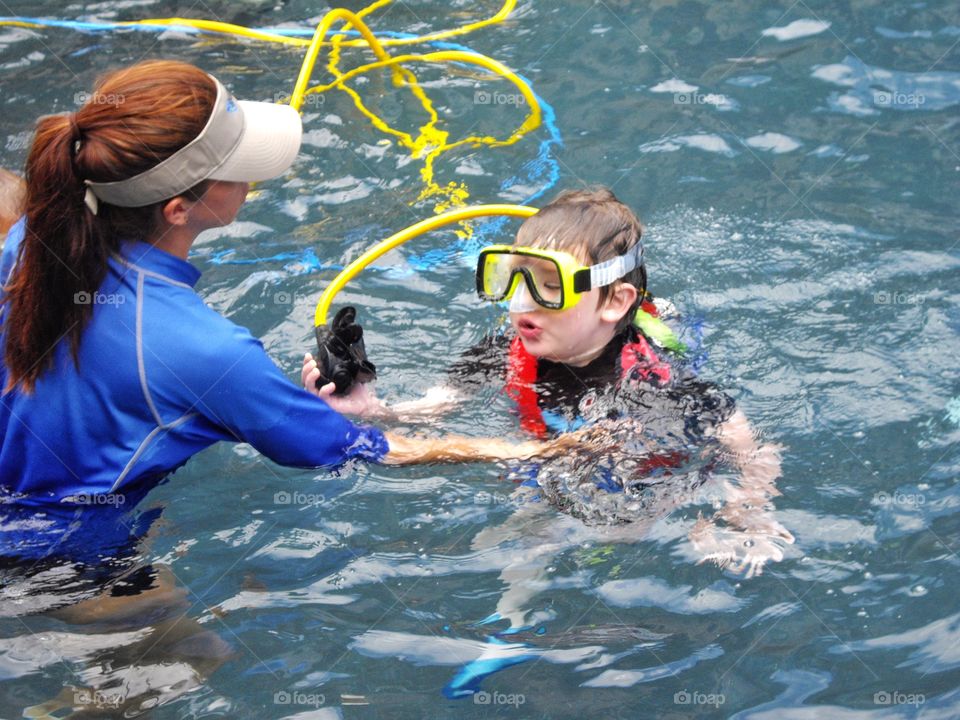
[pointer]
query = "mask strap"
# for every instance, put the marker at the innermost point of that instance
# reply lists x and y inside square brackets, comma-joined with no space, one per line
[612,270]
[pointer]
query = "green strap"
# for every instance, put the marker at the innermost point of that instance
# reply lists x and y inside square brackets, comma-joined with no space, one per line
[658,331]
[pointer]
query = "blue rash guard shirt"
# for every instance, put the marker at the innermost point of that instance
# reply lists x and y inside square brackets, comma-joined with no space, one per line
[161,376]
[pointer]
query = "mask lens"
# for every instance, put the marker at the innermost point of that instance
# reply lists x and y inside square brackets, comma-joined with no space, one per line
[546,279]
[497,275]
[501,273]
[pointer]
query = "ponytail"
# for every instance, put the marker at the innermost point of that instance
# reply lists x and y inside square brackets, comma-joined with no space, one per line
[135,119]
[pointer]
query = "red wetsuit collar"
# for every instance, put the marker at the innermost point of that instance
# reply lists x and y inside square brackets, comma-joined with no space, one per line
[638,361]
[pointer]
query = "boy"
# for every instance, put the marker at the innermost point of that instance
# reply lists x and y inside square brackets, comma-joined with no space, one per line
[575,281]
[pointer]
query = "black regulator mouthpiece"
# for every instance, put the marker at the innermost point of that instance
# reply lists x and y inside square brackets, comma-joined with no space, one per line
[341,356]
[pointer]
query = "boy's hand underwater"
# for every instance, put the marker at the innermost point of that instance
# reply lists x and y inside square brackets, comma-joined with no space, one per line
[740,551]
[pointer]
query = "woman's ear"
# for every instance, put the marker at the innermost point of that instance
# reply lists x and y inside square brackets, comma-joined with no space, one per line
[176,211]
[619,303]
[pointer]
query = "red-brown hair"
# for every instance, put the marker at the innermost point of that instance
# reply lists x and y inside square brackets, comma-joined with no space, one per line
[135,118]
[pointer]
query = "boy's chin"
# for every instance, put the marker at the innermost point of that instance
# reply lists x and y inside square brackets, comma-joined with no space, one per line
[536,348]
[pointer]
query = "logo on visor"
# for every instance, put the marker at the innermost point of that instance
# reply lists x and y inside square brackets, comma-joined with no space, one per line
[232,105]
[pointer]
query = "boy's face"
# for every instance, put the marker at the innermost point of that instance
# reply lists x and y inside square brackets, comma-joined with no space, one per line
[574,336]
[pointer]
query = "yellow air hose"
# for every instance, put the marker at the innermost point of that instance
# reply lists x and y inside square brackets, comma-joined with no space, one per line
[415,230]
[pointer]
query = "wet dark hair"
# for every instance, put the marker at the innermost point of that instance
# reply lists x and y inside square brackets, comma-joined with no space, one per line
[594,226]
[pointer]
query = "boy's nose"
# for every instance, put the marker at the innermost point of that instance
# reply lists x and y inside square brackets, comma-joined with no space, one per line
[522,301]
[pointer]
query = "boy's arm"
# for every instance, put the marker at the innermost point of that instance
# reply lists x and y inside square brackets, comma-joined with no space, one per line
[477,367]
[749,504]
[752,535]
[407,450]
[404,450]
[437,400]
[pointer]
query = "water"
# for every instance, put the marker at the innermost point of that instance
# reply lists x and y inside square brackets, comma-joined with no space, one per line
[794,166]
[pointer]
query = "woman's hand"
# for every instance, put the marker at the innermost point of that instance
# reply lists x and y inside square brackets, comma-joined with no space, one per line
[309,374]
[437,400]
[359,401]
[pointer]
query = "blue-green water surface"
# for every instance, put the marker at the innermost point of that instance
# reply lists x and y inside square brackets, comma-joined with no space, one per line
[796,166]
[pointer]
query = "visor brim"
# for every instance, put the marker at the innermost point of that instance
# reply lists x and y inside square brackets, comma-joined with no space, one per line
[269,145]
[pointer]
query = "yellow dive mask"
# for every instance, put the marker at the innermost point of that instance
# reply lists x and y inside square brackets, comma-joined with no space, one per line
[555,279]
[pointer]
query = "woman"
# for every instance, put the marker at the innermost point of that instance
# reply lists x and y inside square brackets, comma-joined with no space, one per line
[114,371]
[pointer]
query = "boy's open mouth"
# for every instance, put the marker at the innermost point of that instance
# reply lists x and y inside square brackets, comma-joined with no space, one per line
[527,328]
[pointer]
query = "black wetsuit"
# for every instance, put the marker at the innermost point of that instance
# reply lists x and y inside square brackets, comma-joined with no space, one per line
[570,395]
[673,414]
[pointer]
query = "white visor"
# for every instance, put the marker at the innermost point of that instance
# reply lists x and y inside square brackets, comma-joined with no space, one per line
[243,141]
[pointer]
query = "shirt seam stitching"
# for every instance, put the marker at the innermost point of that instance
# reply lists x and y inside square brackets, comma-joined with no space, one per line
[151,273]
[141,368]
[145,443]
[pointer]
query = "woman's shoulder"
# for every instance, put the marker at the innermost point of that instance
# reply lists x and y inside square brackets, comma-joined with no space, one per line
[177,324]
